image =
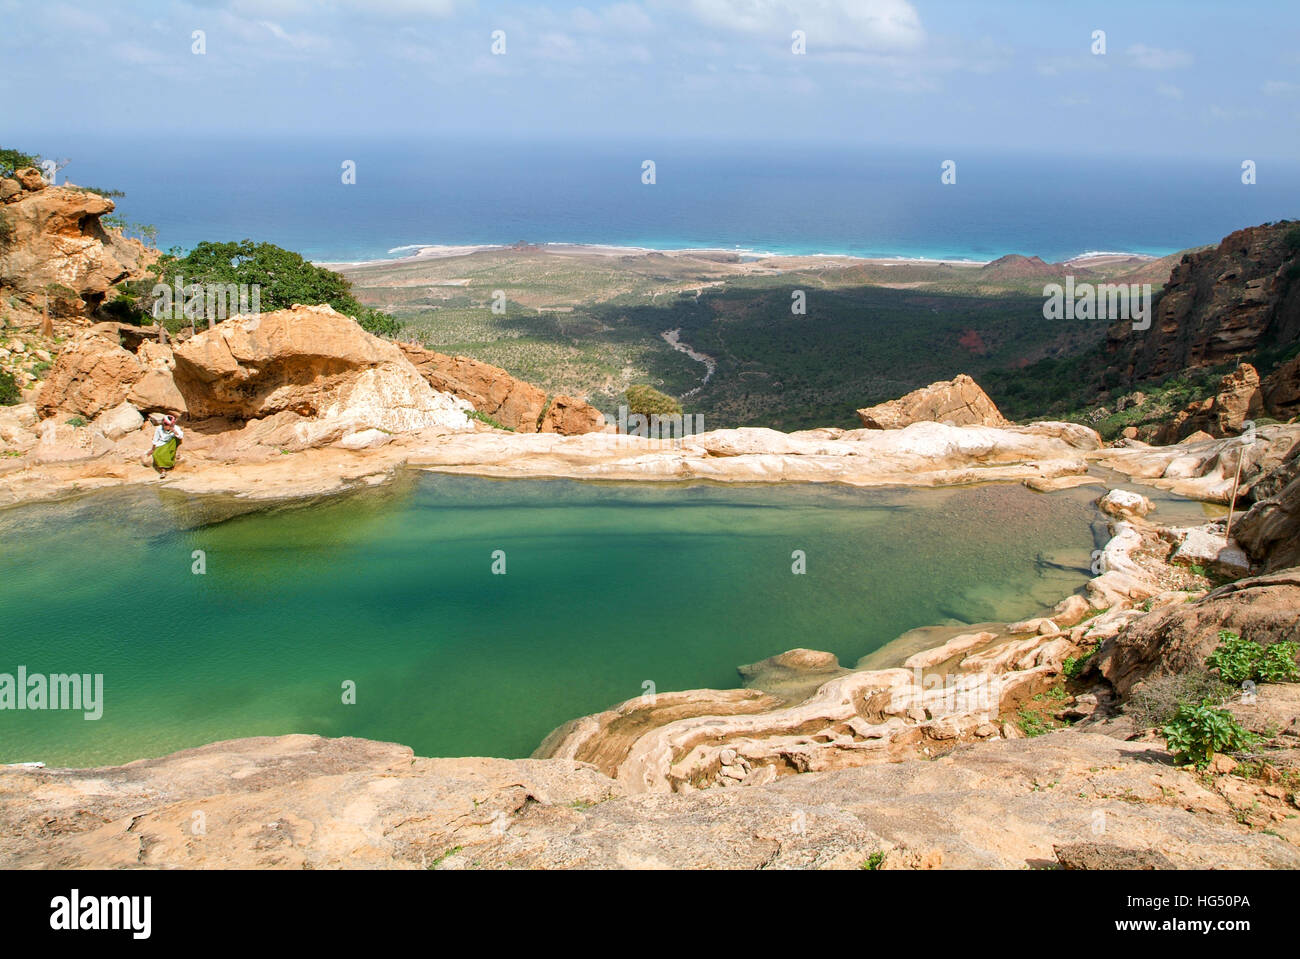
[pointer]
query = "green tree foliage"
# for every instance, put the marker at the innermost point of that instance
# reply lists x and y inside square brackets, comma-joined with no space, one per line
[284,277]
[647,400]
[12,160]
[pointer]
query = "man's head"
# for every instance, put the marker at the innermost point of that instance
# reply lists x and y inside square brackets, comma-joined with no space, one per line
[169,421]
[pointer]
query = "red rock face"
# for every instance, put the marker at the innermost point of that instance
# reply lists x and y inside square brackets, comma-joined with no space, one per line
[1218,305]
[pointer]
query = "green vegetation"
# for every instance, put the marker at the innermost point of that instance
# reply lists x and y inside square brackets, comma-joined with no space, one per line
[446,854]
[13,160]
[1156,701]
[1197,732]
[76,421]
[1240,660]
[648,401]
[484,418]
[284,277]
[9,392]
[1073,667]
[6,229]
[874,860]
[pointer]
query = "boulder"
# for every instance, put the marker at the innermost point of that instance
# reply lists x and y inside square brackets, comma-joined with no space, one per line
[959,402]
[1207,547]
[91,374]
[1124,504]
[317,363]
[571,416]
[365,440]
[119,421]
[65,443]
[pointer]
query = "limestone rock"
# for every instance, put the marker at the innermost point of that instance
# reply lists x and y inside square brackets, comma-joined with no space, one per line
[1206,546]
[1126,504]
[365,440]
[311,361]
[1282,391]
[57,239]
[64,443]
[119,421]
[1270,531]
[958,401]
[92,373]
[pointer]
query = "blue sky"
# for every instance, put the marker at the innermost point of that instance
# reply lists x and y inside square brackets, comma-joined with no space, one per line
[1185,78]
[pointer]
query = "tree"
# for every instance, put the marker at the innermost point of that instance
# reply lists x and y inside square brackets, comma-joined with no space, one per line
[284,278]
[647,400]
[13,160]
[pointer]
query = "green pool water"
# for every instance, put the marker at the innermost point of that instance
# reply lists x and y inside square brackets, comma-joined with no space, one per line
[607,588]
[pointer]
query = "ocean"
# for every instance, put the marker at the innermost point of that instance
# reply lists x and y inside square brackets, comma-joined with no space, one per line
[762,198]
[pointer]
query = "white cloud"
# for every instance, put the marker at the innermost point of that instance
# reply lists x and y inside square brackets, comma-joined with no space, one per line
[1170,91]
[870,24]
[1153,58]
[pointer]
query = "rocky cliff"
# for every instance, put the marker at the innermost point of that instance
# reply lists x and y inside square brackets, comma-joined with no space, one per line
[1220,305]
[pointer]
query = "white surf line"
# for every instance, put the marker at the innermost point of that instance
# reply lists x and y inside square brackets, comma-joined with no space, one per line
[672,338]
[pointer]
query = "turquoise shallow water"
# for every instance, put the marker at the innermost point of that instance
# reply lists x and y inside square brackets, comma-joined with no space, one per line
[607,587]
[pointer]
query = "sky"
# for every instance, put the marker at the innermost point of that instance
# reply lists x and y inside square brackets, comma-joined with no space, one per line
[1183,78]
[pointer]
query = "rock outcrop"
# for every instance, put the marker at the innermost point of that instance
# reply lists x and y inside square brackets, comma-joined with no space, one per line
[1282,391]
[1219,305]
[1239,398]
[1180,636]
[957,402]
[313,362]
[517,405]
[53,244]
[1270,531]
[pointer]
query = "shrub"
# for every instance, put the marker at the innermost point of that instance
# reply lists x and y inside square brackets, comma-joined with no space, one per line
[1156,701]
[1278,664]
[1240,660]
[1235,658]
[9,392]
[1197,732]
[648,401]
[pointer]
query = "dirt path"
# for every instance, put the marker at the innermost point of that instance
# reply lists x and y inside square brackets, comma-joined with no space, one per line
[672,338]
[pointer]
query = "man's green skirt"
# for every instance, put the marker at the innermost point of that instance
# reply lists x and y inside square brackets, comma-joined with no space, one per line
[164,457]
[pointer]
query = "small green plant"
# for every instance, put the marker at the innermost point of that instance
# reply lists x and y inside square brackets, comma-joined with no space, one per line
[1198,732]
[1074,665]
[874,860]
[1240,660]
[446,854]
[1278,664]
[77,421]
[484,418]
[9,392]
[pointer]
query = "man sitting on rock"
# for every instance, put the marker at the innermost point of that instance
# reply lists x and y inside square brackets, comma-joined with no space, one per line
[167,437]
